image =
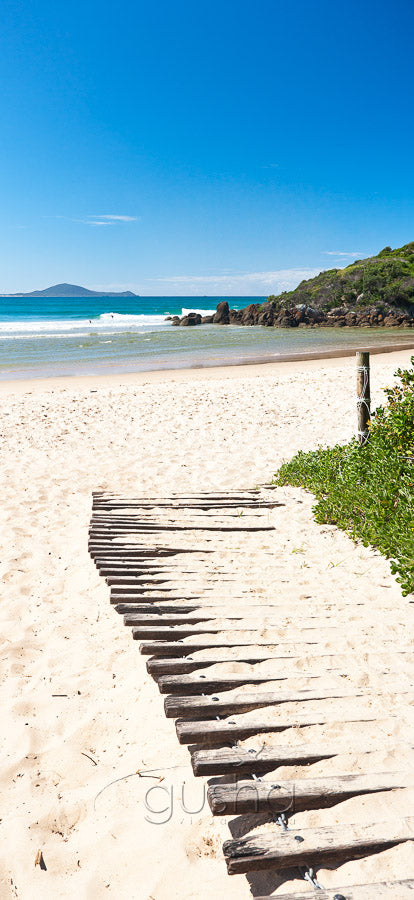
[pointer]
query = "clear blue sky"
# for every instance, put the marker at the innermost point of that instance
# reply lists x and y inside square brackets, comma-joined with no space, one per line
[241,144]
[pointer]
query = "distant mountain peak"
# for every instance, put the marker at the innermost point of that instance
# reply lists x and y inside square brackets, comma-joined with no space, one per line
[73,290]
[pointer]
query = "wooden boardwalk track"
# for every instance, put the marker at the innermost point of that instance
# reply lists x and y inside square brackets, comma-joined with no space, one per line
[243,668]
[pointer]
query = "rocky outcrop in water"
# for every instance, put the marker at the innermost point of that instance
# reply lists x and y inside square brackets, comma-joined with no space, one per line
[222,314]
[191,318]
[300,316]
[375,291]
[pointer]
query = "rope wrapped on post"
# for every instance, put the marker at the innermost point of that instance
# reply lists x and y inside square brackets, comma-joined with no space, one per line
[363,396]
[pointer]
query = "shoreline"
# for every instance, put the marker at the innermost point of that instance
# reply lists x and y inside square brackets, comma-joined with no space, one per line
[238,369]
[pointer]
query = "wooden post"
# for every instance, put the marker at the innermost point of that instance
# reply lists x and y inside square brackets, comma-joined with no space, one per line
[363,396]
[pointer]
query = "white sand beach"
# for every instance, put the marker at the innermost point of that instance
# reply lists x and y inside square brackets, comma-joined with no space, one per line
[80,715]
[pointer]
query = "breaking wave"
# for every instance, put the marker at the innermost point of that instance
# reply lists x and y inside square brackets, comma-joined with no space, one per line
[106,321]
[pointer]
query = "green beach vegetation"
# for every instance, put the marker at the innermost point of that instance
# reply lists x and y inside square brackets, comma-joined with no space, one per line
[368,491]
[385,281]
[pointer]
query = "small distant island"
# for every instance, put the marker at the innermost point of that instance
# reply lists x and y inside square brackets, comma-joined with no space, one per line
[72,290]
[377,291]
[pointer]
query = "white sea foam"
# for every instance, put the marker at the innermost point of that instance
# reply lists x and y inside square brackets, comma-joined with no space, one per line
[113,321]
[201,312]
[120,320]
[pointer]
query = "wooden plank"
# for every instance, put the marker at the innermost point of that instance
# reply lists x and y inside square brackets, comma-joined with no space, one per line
[134,566]
[249,493]
[276,670]
[244,635]
[205,707]
[298,794]
[161,614]
[132,609]
[293,648]
[157,666]
[252,614]
[193,503]
[203,684]
[147,595]
[196,520]
[169,634]
[129,585]
[176,503]
[170,619]
[164,619]
[124,595]
[104,531]
[157,529]
[137,551]
[179,648]
[240,625]
[133,582]
[179,665]
[138,567]
[108,496]
[207,733]
[127,566]
[314,846]
[131,508]
[187,685]
[383,890]
[140,551]
[236,607]
[239,761]
[120,590]
[155,502]
[118,597]
[122,576]
[131,557]
[111,556]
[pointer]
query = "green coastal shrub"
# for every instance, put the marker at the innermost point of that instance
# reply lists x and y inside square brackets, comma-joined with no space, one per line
[369,491]
[387,278]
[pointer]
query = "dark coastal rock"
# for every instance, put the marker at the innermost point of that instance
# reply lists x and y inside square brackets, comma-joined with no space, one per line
[249,314]
[351,318]
[266,316]
[287,321]
[175,320]
[221,316]
[314,315]
[168,319]
[391,321]
[192,319]
[337,312]
[207,320]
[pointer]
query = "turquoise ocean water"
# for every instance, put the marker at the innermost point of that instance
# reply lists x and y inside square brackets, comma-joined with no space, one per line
[41,337]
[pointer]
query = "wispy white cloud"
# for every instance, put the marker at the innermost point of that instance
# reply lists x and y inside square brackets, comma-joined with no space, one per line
[223,283]
[238,283]
[350,254]
[93,221]
[115,218]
